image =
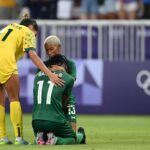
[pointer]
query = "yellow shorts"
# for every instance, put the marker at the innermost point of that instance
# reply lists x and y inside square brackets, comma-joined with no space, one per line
[5,77]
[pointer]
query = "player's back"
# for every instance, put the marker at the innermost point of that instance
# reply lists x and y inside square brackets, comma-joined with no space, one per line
[12,40]
[15,40]
[48,98]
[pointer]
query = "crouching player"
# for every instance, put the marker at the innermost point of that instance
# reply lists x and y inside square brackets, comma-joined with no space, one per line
[52,45]
[48,120]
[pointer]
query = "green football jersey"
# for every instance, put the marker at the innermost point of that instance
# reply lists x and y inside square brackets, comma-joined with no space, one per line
[72,71]
[71,66]
[48,97]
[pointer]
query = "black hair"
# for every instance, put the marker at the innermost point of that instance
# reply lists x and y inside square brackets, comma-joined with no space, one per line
[27,22]
[59,60]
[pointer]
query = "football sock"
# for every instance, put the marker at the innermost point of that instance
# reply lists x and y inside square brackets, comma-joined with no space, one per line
[2,122]
[16,118]
[79,138]
[65,141]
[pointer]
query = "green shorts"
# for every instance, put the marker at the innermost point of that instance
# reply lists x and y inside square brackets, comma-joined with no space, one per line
[63,130]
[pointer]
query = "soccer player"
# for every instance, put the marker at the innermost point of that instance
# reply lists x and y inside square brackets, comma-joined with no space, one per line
[48,117]
[15,41]
[52,46]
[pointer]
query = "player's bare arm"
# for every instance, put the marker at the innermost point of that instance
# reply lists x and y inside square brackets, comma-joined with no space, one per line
[38,62]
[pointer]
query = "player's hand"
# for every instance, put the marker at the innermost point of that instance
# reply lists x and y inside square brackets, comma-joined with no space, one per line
[56,79]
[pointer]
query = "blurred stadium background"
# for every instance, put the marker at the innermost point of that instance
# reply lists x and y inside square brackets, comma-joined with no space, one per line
[113,67]
[112,59]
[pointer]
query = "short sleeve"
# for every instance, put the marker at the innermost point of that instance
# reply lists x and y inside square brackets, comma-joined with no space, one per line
[29,42]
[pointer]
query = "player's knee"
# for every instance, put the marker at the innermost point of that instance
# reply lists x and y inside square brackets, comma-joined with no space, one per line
[13,98]
[13,95]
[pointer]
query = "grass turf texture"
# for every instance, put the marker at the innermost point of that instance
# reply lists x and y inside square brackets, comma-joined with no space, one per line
[103,133]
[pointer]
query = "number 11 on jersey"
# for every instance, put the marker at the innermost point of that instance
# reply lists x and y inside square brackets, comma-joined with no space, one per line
[49,92]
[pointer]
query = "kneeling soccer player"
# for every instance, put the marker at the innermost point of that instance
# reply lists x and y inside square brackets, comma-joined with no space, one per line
[48,120]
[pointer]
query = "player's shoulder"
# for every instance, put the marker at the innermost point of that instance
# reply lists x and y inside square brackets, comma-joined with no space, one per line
[67,77]
[70,61]
[40,75]
[19,28]
[25,29]
[16,26]
[71,64]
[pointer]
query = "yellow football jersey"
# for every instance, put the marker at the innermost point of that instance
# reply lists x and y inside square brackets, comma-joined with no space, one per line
[15,40]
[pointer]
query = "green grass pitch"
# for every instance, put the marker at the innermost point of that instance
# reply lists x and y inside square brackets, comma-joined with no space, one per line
[103,133]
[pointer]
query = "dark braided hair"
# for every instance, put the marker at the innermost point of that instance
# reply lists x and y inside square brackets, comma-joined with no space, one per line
[59,60]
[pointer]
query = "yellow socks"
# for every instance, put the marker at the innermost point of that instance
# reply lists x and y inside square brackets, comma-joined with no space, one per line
[16,118]
[2,122]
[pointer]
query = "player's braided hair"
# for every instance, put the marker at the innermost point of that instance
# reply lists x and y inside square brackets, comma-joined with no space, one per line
[59,60]
[27,21]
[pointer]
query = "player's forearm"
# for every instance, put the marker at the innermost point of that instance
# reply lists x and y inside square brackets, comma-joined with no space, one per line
[38,62]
